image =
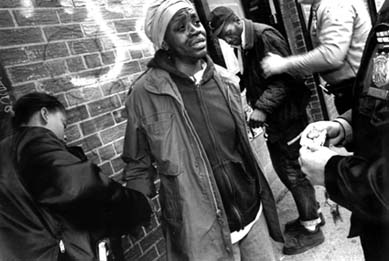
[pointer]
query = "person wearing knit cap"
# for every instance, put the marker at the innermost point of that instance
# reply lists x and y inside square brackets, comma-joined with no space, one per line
[185,122]
[279,103]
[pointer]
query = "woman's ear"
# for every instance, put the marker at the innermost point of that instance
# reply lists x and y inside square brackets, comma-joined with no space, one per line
[44,113]
[164,46]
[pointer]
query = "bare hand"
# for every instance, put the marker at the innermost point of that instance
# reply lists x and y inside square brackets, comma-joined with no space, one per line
[313,161]
[257,118]
[273,64]
[334,130]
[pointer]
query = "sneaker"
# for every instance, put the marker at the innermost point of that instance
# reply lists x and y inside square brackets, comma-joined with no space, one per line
[295,224]
[301,240]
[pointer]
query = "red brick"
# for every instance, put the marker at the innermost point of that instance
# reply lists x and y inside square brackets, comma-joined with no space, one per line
[92,60]
[88,143]
[46,51]
[83,95]
[94,30]
[133,253]
[20,90]
[56,67]
[20,36]
[105,105]
[85,46]
[37,17]
[48,3]
[13,56]
[93,156]
[6,19]
[119,146]
[130,68]
[117,164]
[94,73]
[28,72]
[134,11]
[10,3]
[124,26]
[135,38]
[77,114]
[113,87]
[106,169]
[109,15]
[75,64]
[149,230]
[97,124]
[73,133]
[161,247]
[108,57]
[76,15]
[113,133]
[63,32]
[136,54]
[147,52]
[149,255]
[57,85]
[107,152]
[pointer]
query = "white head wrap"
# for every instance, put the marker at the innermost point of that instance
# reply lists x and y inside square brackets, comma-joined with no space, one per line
[158,16]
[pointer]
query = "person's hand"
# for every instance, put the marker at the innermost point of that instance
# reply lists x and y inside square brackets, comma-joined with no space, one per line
[334,131]
[257,118]
[313,161]
[273,64]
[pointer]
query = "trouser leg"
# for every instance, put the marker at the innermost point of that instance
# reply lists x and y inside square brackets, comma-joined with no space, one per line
[285,163]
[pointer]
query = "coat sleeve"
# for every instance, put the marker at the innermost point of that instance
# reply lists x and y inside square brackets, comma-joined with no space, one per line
[360,185]
[139,172]
[77,190]
[276,87]
[337,27]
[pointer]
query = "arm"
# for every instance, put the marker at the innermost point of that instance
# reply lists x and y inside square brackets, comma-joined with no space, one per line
[139,171]
[336,23]
[76,189]
[359,185]
[277,88]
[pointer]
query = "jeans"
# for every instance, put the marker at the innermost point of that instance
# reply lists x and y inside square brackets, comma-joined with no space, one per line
[285,163]
[256,245]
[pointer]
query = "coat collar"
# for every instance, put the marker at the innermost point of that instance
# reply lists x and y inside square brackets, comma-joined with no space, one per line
[249,34]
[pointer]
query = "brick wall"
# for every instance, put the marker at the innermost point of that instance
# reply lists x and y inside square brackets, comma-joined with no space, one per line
[86,53]
[295,37]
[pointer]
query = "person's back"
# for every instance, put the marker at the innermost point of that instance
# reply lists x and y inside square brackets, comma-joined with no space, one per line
[54,202]
[29,231]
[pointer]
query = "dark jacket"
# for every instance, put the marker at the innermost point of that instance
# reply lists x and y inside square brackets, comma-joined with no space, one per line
[361,182]
[282,97]
[49,197]
[159,129]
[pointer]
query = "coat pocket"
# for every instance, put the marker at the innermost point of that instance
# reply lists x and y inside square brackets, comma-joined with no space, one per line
[161,131]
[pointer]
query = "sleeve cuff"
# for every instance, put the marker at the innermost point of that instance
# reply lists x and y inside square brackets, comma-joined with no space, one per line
[347,129]
[331,175]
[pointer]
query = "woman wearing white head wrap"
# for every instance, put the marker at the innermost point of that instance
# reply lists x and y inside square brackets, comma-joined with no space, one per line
[185,114]
[158,16]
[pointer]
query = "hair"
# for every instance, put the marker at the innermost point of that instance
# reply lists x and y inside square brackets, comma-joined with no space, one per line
[26,106]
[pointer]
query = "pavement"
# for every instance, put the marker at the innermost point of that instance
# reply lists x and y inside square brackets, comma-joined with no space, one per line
[336,247]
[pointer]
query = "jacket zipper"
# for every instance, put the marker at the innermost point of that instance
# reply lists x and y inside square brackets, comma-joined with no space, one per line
[235,210]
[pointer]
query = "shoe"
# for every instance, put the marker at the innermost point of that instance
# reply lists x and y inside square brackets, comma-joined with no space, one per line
[295,224]
[301,240]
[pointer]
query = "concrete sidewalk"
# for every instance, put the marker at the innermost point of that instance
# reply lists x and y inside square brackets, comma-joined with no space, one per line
[336,247]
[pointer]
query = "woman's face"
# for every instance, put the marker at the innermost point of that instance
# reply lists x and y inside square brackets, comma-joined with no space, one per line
[56,122]
[185,35]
